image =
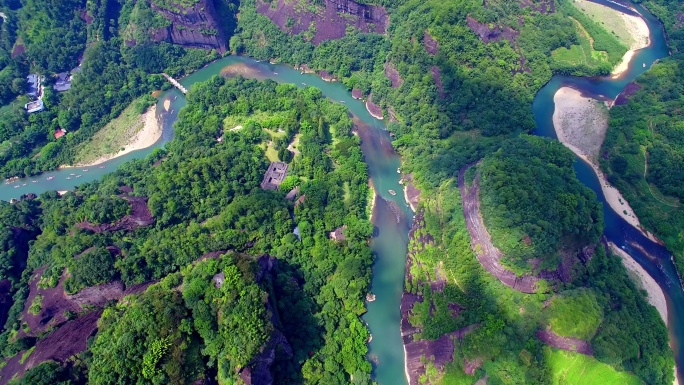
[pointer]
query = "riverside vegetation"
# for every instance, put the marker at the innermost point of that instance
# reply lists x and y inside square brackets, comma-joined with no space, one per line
[205,198]
[461,99]
[492,82]
[644,144]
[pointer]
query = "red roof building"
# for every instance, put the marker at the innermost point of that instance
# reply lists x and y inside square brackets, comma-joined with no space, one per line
[60,133]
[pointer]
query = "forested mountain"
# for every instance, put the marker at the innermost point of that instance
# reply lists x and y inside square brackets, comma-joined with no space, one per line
[218,301]
[179,268]
[644,146]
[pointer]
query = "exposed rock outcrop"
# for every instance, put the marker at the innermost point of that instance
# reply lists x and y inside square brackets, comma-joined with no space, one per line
[258,371]
[393,75]
[431,45]
[197,26]
[418,353]
[140,216]
[328,23]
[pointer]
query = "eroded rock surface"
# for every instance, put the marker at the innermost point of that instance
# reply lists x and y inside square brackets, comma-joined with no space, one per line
[197,26]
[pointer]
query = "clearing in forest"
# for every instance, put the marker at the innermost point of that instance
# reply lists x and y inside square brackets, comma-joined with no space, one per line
[569,368]
[582,54]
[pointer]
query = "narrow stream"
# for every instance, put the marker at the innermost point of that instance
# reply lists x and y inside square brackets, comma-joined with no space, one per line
[391,215]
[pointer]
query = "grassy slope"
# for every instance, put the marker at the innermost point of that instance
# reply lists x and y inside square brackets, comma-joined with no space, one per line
[114,136]
[575,314]
[599,47]
[577,369]
[582,53]
[609,19]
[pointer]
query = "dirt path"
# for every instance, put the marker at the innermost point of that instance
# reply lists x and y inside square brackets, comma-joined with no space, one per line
[565,343]
[488,255]
[649,185]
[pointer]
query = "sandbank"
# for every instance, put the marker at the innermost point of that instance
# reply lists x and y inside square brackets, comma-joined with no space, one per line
[631,30]
[580,128]
[167,104]
[148,135]
[656,297]
[641,38]
[241,69]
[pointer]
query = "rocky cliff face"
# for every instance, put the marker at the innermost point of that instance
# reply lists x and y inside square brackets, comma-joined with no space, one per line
[258,371]
[197,26]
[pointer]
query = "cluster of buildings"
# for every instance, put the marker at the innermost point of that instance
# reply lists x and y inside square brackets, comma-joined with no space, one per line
[35,90]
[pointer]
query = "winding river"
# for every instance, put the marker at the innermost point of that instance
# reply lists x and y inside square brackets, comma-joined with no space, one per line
[391,215]
[654,258]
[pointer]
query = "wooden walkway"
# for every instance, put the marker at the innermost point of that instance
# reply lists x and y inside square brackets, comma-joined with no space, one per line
[176,83]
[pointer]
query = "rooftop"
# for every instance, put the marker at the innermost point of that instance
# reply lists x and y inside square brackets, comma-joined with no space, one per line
[33,81]
[277,171]
[63,82]
[60,133]
[34,106]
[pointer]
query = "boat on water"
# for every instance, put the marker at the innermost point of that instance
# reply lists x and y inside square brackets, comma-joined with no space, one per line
[34,181]
[78,176]
[392,192]
[50,178]
[102,166]
[68,177]
[644,65]
[72,174]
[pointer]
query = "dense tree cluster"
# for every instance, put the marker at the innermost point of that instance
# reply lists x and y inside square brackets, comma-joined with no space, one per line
[51,37]
[205,197]
[534,206]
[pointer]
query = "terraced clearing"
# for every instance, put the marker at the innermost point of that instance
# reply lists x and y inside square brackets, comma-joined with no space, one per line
[570,368]
[582,54]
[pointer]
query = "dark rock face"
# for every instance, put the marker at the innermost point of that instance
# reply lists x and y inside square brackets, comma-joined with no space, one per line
[330,23]
[489,34]
[626,94]
[542,6]
[418,353]
[258,371]
[431,45]
[194,27]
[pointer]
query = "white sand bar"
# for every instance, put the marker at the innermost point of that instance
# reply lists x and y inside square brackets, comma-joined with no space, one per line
[656,297]
[632,31]
[581,124]
[148,135]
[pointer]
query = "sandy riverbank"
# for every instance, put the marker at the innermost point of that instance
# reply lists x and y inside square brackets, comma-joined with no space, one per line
[656,297]
[581,125]
[641,38]
[148,135]
[630,30]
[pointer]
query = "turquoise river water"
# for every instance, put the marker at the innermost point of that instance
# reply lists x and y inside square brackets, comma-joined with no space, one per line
[391,215]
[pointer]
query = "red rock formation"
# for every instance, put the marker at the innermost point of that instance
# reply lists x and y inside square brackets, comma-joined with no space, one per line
[189,27]
[565,343]
[431,45]
[393,75]
[330,22]
[434,70]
